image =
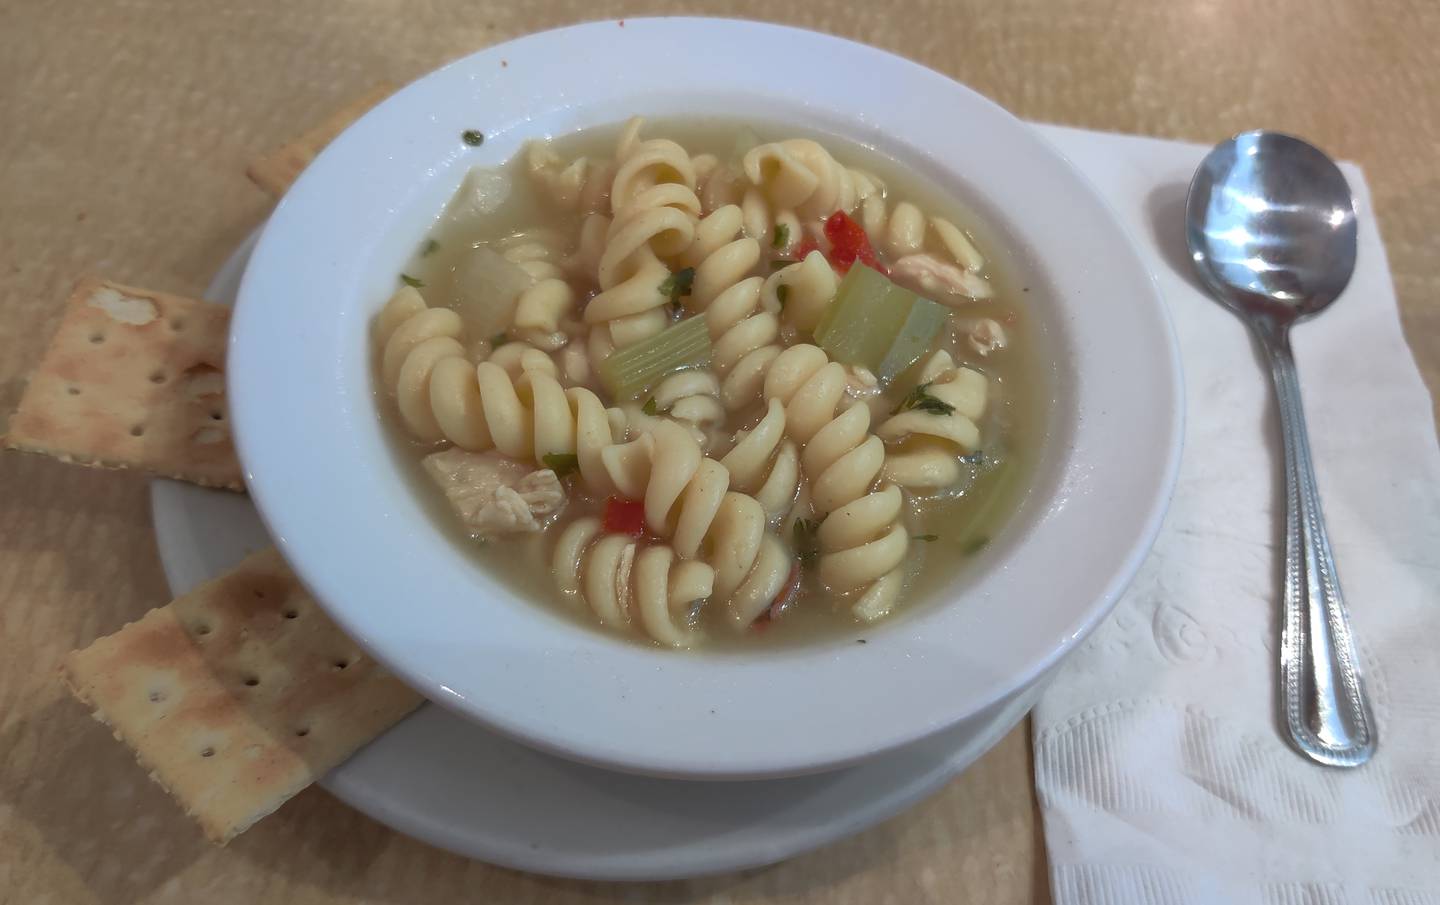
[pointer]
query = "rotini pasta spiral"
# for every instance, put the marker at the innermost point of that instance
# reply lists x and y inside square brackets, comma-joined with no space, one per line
[744,334]
[797,184]
[519,357]
[924,445]
[581,185]
[904,230]
[654,216]
[619,577]
[720,255]
[809,288]
[799,175]
[585,261]
[540,312]
[526,415]
[688,502]
[690,398]
[765,463]
[718,184]
[644,167]
[542,309]
[905,233]
[842,459]
[538,252]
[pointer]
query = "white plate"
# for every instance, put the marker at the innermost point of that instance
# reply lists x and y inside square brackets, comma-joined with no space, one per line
[322,474]
[455,785]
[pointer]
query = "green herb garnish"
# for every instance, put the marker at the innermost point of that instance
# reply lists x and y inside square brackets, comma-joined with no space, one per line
[782,236]
[780,264]
[677,285]
[410,281]
[975,545]
[650,407]
[927,538]
[429,248]
[807,544]
[782,294]
[561,463]
[498,340]
[472,137]
[920,400]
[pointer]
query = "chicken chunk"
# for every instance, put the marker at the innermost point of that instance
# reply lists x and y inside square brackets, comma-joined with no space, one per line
[495,495]
[933,278]
[986,336]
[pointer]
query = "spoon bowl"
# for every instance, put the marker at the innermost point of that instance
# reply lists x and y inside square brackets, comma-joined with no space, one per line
[1271,226]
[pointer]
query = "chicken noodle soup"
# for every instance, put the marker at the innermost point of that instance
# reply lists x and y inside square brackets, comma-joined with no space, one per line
[708,387]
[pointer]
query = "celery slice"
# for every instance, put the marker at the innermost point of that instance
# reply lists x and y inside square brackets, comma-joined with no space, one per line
[858,328]
[629,372]
[488,286]
[877,325]
[914,339]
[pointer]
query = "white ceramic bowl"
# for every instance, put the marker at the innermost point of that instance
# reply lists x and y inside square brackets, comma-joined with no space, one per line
[323,478]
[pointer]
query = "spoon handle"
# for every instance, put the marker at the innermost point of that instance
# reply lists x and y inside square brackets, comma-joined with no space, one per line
[1324,704]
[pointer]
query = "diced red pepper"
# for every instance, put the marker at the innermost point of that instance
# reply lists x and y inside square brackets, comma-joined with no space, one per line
[849,243]
[624,517]
[807,245]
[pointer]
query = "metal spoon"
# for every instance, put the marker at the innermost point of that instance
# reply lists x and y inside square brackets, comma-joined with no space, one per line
[1271,227]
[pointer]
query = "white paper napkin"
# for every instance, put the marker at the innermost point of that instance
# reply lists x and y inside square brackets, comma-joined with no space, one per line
[1161,772]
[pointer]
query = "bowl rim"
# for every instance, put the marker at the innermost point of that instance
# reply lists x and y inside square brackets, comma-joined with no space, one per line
[620,716]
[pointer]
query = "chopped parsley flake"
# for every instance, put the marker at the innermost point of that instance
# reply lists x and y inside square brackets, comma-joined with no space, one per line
[975,545]
[472,137]
[410,281]
[498,340]
[807,544]
[782,236]
[561,463]
[782,294]
[650,408]
[677,285]
[920,400]
[429,248]
[927,538]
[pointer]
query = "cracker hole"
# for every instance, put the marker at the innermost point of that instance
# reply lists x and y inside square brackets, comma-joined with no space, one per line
[259,594]
[157,377]
[207,752]
[73,391]
[97,338]
[292,614]
[252,681]
[137,431]
[157,696]
[202,629]
[302,731]
[342,663]
[177,323]
[203,380]
[217,416]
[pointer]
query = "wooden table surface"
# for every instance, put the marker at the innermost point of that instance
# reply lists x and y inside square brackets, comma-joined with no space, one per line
[126,129]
